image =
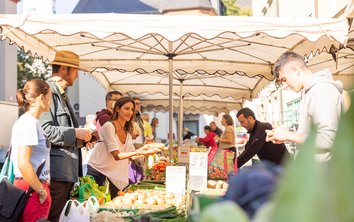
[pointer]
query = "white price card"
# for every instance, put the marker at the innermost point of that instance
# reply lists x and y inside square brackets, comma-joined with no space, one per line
[198,170]
[176,180]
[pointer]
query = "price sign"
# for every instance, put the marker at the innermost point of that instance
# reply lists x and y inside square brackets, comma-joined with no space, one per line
[176,180]
[198,170]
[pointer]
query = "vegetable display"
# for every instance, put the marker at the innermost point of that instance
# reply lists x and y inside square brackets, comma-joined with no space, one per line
[158,171]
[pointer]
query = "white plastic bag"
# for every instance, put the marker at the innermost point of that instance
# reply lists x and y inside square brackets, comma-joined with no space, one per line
[76,212]
[93,205]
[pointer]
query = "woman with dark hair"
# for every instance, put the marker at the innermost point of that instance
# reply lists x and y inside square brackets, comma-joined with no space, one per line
[110,156]
[226,153]
[30,149]
[209,141]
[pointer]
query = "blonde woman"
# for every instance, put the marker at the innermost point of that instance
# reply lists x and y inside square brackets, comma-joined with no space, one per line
[224,162]
[227,138]
[30,148]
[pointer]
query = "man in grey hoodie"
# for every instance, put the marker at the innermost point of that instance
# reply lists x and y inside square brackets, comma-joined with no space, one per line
[321,102]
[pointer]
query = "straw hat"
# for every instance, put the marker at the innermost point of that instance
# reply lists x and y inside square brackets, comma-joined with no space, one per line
[67,58]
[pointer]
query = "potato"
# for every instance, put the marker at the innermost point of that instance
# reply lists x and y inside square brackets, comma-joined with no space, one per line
[134,196]
[141,196]
[139,202]
[118,205]
[219,184]
[160,201]
[170,195]
[117,200]
[151,201]
[127,200]
[126,206]
[211,184]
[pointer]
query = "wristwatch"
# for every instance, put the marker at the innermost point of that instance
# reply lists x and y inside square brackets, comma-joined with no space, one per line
[41,192]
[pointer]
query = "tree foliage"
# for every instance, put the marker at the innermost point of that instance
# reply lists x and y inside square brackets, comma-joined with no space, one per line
[29,67]
[232,8]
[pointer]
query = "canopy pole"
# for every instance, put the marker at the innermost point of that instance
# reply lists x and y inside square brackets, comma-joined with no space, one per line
[170,82]
[180,114]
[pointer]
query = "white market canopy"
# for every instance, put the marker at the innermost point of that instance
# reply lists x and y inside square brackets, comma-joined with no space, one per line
[191,104]
[342,67]
[215,44]
[201,92]
[340,61]
[150,43]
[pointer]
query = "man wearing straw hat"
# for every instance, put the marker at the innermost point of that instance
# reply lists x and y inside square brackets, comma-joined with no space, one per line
[61,126]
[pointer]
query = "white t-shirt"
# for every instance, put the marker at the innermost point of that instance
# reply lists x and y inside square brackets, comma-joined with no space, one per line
[27,132]
[102,160]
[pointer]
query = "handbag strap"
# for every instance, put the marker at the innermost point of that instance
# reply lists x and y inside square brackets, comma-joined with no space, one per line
[39,170]
[8,153]
[7,164]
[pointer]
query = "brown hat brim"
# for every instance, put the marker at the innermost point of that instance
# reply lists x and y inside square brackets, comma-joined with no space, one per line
[65,64]
[67,58]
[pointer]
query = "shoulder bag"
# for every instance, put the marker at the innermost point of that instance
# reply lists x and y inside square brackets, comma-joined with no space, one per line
[13,200]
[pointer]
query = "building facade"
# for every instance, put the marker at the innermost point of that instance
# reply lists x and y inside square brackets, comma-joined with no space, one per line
[282,106]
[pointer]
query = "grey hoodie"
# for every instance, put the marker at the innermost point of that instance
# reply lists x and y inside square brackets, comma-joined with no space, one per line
[321,103]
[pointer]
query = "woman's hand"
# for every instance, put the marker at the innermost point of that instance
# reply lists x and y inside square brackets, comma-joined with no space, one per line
[152,151]
[147,151]
[42,196]
[141,150]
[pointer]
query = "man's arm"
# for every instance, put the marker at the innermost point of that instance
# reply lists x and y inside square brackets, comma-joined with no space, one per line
[325,113]
[63,136]
[252,148]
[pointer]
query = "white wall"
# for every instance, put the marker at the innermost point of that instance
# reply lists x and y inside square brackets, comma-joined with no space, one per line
[41,7]
[8,61]
[298,8]
[65,6]
[9,114]
[91,95]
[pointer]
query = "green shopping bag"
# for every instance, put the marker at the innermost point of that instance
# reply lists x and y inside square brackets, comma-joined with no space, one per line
[7,171]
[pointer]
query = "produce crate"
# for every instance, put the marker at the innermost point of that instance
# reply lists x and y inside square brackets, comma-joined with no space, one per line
[148,186]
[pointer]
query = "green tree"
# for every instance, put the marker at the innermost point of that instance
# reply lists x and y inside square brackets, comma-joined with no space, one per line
[29,67]
[232,8]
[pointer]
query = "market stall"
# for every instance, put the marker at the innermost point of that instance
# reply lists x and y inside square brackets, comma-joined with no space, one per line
[243,45]
[226,46]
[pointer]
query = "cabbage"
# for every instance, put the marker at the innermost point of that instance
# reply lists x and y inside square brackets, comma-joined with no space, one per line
[225,211]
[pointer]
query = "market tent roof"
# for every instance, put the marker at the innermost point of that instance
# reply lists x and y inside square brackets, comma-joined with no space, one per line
[243,45]
[339,60]
[215,44]
[342,69]
[236,86]
[349,10]
[191,104]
